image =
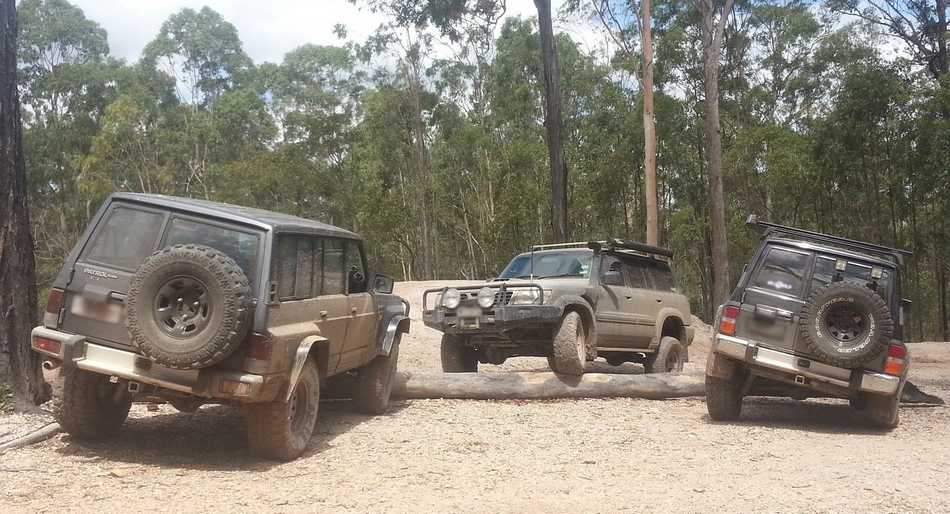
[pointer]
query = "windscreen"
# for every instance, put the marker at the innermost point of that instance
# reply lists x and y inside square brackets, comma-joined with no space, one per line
[568,263]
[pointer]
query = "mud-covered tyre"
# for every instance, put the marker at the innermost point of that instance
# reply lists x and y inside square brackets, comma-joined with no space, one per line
[188,307]
[91,407]
[724,397]
[670,357]
[374,384]
[457,357]
[846,324]
[569,350]
[280,430]
[883,411]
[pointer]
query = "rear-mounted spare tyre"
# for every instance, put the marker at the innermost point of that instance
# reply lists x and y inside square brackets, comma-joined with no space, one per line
[846,324]
[187,307]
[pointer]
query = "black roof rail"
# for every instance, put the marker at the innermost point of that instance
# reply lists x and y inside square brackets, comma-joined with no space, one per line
[766,229]
[624,244]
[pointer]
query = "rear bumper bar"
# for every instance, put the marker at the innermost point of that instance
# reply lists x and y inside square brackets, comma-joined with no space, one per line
[801,369]
[75,350]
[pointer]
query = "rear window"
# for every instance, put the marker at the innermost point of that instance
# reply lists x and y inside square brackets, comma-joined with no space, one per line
[782,271]
[125,239]
[240,246]
[858,273]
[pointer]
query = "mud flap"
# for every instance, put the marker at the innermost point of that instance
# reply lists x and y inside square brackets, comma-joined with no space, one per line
[720,367]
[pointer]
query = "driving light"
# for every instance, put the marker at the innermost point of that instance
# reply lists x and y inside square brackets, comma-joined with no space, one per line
[525,297]
[486,297]
[451,298]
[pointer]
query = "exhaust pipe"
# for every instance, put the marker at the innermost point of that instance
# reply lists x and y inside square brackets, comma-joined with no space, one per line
[50,365]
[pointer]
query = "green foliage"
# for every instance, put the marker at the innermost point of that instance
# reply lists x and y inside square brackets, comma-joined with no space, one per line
[440,162]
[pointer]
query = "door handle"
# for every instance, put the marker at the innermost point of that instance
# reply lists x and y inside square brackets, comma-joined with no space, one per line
[353,310]
[323,314]
[629,298]
[659,300]
[772,312]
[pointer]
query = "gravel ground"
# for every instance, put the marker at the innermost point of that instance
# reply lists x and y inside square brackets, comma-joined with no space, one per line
[480,456]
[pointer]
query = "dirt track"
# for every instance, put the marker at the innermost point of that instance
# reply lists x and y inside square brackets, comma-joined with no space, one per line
[559,456]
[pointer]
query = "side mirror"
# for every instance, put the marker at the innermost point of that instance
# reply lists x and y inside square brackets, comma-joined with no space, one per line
[383,284]
[613,278]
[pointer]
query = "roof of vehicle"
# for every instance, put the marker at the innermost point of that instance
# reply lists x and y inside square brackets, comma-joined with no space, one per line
[260,218]
[806,245]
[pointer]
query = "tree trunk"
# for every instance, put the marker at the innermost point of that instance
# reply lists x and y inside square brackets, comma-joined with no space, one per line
[19,365]
[541,385]
[552,123]
[712,44]
[649,122]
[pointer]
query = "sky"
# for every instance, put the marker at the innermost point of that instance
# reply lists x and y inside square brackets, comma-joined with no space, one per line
[268,29]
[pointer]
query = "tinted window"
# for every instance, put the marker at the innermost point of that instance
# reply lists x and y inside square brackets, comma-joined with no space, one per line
[356,278]
[783,271]
[334,278]
[240,246]
[825,273]
[296,267]
[636,274]
[126,238]
[661,276]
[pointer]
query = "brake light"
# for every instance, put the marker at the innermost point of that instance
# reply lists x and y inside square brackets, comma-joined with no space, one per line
[259,347]
[47,345]
[727,323]
[54,302]
[896,360]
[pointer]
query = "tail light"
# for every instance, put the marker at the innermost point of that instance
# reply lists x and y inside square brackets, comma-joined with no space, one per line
[54,305]
[727,323]
[896,360]
[49,346]
[259,347]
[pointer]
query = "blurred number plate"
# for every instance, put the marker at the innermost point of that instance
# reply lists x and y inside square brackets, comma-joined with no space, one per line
[469,312]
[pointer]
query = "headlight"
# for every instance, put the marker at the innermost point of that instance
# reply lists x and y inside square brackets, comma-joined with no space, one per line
[486,297]
[451,298]
[525,297]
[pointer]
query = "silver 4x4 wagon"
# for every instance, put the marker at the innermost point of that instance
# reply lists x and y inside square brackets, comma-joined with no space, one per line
[812,315]
[570,303]
[190,302]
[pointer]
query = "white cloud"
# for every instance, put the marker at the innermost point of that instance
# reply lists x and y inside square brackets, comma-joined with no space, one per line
[267,29]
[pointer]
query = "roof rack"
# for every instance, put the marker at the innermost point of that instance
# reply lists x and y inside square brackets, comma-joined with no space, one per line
[766,229]
[610,245]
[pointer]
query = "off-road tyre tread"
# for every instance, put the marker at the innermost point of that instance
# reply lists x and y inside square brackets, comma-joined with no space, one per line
[78,411]
[564,357]
[656,362]
[724,397]
[235,323]
[269,428]
[879,310]
[457,357]
[375,382]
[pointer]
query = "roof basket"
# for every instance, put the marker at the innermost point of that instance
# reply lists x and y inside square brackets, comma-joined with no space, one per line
[610,245]
[768,229]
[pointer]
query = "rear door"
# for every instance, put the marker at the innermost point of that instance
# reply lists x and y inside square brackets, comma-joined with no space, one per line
[364,318]
[95,295]
[773,298]
[643,305]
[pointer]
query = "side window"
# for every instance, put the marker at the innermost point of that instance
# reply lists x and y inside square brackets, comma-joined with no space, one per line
[296,267]
[356,271]
[126,238]
[636,273]
[611,263]
[662,276]
[782,271]
[334,278]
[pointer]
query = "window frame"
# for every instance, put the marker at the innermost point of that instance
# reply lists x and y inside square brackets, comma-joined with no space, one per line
[318,242]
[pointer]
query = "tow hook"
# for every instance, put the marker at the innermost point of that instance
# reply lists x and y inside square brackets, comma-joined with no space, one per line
[799,379]
[134,387]
[50,365]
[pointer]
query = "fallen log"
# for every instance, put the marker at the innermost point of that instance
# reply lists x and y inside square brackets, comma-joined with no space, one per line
[545,385]
[33,437]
